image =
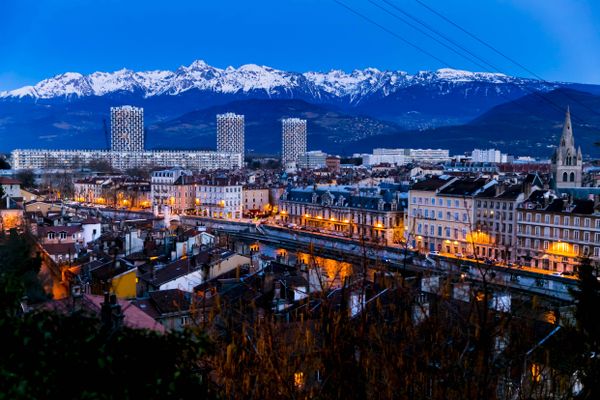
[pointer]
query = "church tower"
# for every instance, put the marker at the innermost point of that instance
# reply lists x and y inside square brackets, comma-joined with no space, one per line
[567,164]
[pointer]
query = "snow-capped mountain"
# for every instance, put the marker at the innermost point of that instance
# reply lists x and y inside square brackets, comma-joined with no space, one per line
[353,87]
[68,110]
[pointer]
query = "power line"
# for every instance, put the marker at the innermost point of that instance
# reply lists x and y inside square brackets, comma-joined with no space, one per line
[494,49]
[392,33]
[437,58]
[489,65]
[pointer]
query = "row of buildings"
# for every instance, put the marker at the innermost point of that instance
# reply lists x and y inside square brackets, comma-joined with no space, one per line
[127,150]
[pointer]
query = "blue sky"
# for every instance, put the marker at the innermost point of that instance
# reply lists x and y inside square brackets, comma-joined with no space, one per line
[557,39]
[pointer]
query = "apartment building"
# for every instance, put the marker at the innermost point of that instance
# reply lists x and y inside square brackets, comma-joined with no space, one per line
[117,191]
[441,214]
[255,199]
[293,139]
[219,198]
[230,133]
[369,213]
[123,160]
[494,234]
[163,188]
[554,232]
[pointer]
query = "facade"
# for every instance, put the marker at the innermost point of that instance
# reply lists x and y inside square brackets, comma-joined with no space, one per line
[494,234]
[127,129]
[312,160]
[488,156]
[293,139]
[255,200]
[230,133]
[405,156]
[333,164]
[219,198]
[374,213]
[117,191]
[553,232]
[567,164]
[163,189]
[441,214]
[10,187]
[122,160]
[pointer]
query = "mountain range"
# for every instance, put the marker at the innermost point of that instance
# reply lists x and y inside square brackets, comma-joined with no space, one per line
[346,111]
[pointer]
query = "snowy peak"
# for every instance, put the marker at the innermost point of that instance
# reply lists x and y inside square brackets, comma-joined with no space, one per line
[199,75]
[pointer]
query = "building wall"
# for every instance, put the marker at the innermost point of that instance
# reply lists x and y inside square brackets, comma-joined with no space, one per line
[379,226]
[219,201]
[438,222]
[122,160]
[230,133]
[124,285]
[293,139]
[255,199]
[127,129]
[554,241]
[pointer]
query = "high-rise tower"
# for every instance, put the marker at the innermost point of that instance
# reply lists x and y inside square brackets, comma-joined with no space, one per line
[127,129]
[293,139]
[230,133]
[567,164]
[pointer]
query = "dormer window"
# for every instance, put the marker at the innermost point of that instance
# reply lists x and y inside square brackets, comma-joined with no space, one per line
[62,235]
[50,235]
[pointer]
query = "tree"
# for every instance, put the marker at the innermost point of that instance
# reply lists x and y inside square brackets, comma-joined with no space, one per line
[4,164]
[587,303]
[27,178]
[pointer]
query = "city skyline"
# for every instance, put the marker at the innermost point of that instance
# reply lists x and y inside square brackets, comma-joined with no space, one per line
[334,38]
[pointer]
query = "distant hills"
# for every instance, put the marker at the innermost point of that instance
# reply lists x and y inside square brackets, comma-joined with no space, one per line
[529,125]
[347,112]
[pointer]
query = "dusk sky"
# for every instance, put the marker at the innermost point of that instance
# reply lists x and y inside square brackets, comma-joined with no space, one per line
[557,39]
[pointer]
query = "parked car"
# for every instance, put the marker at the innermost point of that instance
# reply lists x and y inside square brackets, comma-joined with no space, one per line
[433,253]
[471,256]
[459,255]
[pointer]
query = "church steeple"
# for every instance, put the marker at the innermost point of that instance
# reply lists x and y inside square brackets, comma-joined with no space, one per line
[566,140]
[567,162]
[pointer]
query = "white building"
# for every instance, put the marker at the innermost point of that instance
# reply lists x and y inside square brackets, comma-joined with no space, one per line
[127,128]
[10,187]
[293,139]
[230,133]
[312,160]
[163,190]
[488,156]
[219,198]
[122,160]
[405,156]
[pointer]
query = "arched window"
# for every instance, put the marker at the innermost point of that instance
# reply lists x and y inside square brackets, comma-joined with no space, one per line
[564,176]
[572,177]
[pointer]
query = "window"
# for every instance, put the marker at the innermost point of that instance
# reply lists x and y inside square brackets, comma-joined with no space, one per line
[448,216]
[576,221]
[586,236]
[572,177]
[545,245]
[546,219]
[447,232]
[538,218]
[528,217]
[586,222]
[440,215]
[597,237]
[575,235]
[439,231]
[556,220]
[456,216]
[62,235]
[597,223]
[567,221]
[456,203]
[50,235]
[564,177]
[537,231]
[596,251]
